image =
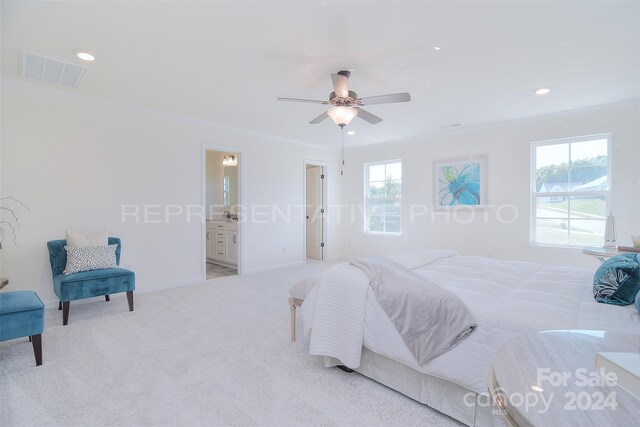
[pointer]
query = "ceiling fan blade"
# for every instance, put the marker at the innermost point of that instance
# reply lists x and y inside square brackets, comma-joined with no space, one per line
[385,99]
[367,116]
[318,119]
[310,101]
[340,85]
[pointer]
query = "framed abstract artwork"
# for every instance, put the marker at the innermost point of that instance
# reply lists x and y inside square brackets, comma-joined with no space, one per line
[461,183]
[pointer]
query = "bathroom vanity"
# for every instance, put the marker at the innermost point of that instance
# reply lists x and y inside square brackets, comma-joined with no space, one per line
[222,242]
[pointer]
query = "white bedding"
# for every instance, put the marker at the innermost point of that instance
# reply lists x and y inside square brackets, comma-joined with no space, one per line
[507,298]
[338,313]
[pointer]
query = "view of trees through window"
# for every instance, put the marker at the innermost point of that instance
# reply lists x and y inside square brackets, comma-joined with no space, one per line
[571,191]
[383,194]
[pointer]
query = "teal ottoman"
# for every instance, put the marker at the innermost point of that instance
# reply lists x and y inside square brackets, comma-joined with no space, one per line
[22,315]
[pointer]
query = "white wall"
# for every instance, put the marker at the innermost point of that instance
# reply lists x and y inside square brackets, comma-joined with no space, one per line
[508,148]
[76,160]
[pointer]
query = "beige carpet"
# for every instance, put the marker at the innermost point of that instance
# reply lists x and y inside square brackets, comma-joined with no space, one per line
[217,353]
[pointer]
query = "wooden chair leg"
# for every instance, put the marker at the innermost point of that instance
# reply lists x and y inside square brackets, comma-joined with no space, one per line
[37,348]
[106,297]
[292,309]
[65,312]
[130,300]
[59,305]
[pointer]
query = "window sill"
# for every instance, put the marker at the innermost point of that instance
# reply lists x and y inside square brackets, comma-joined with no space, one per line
[575,248]
[382,234]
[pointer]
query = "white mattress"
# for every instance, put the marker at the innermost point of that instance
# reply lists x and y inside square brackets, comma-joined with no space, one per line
[507,298]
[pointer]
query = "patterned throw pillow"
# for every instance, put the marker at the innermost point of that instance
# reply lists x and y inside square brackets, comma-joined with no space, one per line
[617,281]
[85,258]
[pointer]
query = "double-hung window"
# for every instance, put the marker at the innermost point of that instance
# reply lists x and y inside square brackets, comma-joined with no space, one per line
[570,188]
[382,193]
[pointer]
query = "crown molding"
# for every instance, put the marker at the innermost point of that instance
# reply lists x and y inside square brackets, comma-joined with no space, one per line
[18,83]
[629,103]
[43,88]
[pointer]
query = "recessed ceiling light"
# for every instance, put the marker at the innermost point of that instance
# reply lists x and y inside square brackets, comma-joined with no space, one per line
[437,48]
[542,91]
[85,56]
[351,132]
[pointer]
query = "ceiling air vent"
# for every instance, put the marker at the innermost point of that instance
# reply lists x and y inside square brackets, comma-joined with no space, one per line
[38,67]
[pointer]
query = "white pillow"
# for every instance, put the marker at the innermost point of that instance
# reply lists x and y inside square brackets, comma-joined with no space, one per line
[77,239]
[85,258]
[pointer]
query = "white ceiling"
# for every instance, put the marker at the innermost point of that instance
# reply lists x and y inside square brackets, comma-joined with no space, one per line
[228,61]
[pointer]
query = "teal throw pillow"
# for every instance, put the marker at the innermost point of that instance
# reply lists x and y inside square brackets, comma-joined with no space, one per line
[617,281]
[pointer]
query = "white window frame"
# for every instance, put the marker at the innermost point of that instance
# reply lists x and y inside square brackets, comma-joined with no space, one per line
[367,199]
[534,194]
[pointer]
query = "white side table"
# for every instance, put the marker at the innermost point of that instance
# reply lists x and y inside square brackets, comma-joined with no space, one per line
[549,379]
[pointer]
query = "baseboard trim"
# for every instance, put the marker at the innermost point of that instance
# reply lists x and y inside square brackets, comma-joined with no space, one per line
[53,304]
[272,267]
[168,285]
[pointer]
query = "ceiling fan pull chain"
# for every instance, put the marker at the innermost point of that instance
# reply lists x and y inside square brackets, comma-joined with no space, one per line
[342,149]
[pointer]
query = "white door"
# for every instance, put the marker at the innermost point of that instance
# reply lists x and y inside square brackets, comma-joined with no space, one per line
[315,212]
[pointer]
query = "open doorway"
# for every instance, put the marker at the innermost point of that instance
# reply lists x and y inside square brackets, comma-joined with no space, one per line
[221,201]
[315,203]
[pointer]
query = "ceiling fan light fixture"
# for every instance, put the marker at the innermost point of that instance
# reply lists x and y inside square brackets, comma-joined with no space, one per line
[342,116]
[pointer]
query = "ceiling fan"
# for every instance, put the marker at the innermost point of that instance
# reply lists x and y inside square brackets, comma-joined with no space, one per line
[345,104]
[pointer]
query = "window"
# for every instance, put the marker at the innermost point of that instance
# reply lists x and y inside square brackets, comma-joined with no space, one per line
[383,185]
[570,191]
[225,190]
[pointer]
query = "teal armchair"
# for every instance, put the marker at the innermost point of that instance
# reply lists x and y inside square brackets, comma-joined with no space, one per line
[87,284]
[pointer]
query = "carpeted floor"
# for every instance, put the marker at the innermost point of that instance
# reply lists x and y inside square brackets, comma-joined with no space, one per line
[217,353]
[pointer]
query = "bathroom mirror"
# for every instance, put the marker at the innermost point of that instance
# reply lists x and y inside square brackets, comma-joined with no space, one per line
[230,187]
[221,183]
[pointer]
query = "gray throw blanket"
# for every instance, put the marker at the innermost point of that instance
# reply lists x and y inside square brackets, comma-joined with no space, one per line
[430,319]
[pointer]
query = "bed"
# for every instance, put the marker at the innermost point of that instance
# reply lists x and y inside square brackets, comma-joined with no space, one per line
[507,299]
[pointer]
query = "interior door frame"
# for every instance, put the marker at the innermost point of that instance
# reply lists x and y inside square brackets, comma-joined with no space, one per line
[325,169]
[241,203]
